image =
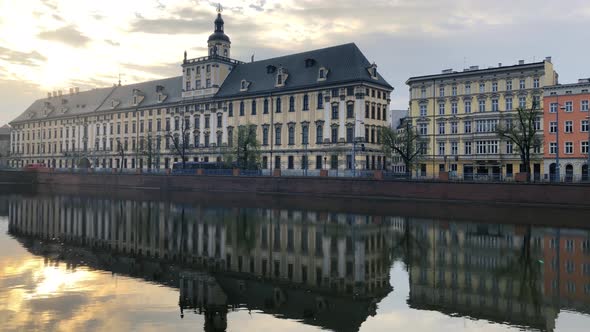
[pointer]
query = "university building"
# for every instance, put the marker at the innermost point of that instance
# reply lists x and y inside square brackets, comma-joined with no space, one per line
[457,114]
[309,110]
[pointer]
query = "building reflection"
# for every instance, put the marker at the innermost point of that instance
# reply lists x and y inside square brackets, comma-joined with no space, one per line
[309,266]
[314,267]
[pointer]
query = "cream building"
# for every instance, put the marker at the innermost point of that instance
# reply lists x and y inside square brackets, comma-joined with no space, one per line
[308,110]
[458,112]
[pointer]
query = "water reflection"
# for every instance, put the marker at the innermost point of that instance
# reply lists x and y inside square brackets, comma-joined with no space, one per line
[329,270]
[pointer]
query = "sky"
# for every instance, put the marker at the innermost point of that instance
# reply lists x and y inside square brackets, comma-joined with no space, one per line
[50,45]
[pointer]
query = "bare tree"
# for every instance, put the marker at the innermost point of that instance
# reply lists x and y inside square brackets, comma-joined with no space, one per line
[121,154]
[522,131]
[180,137]
[147,148]
[403,142]
[247,149]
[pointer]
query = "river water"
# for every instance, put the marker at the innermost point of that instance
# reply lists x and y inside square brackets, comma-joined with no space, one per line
[76,263]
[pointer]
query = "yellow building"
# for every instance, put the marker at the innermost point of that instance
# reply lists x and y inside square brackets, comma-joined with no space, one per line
[458,112]
[309,110]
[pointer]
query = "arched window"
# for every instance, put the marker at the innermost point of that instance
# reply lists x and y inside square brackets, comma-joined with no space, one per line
[230,109]
[265,106]
[241,108]
[305,102]
[254,107]
[291,135]
[291,104]
[320,100]
[278,110]
[319,134]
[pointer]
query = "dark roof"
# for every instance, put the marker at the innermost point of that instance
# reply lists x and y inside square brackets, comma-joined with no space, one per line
[99,100]
[345,63]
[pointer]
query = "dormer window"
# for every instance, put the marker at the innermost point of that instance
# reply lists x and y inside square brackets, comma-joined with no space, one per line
[244,85]
[270,69]
[373,71]
[322,74]
[134,100]
[113,104]
[159,97]
[281,77]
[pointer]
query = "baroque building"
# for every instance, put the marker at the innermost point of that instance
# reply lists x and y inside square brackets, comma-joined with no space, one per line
[457,114]
[309,111]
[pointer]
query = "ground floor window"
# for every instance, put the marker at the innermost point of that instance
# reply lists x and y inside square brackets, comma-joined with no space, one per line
[290,162]
[318,162]
[334,161]
[277,162]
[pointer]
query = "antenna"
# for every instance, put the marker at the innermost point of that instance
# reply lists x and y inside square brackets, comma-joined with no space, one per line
[219,8]
[119,79]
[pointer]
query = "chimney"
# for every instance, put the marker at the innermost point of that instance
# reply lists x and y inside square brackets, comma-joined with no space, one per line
[473,67]
[499,64]
[447,71]
[548,59]
[521,62]
[584,80]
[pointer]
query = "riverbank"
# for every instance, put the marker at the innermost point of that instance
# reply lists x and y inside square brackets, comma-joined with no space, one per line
[569,195]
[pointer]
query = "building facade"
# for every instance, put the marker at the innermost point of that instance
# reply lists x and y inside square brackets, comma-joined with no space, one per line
[308,110]
[4,145]
[566,130]
[457,114]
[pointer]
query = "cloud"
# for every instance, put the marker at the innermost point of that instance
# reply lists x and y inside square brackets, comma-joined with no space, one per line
[21,58]
[112,43]
[68,35]
[170,26]
[160,70]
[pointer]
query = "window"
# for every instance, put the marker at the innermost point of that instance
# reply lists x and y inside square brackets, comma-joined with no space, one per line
[334,134]
[569,106]
[305,134]
[350,110]
[208,68]
[569,126]
[482,87]
[291,135]
[454,127]
[584,106]
[509,85]
[522,102]
[230,110]
[467,88]
[467,128]
[349,134]
[253,107]
[278,135]
[441,109]
[291,104]
[208,82]
[219,120]
[494,86]
[319,134]
[486,126]
[553,108]
[486,147]
[322,73]
[454,90]
[241,108]
[441,91]
[482,105]
[423,110]
[278,110]
[495,105]
[509,103]
[467,148]
[320,100]
[265,136]
[553,148]
[305,102]
[467,107]
[423,127]
[552,127]
[569,147]
[509,147]
[584,126]
[536,83]
[334,111]
[454,148]
[454,108]
[522,84]
[265,111]
[441,128]
[441,148]
[584,147]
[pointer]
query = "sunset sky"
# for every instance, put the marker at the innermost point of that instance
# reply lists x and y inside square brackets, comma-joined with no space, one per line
[48,45]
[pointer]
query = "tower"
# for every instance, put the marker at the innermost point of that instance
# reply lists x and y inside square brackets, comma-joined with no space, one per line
[219,43]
